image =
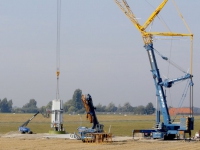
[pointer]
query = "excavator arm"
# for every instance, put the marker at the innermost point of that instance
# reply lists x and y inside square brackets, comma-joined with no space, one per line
[87,108]
[90,110]
[87,133]
[90,134]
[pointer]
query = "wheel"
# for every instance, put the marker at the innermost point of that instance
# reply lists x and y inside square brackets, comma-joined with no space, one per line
[169,137]
[22,132]
[30,132]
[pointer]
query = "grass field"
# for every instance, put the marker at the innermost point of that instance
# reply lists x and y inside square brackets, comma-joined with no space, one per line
[120,125]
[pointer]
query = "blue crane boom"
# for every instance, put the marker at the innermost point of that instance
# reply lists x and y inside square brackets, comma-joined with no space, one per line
[168,83]
[157,79]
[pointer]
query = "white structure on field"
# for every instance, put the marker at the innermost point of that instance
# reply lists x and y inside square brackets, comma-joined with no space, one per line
[57,115]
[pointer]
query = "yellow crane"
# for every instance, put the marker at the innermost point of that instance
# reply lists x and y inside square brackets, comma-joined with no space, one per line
[166,129]
[147,36]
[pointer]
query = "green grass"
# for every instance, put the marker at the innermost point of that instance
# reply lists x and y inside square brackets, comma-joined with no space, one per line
[120,125]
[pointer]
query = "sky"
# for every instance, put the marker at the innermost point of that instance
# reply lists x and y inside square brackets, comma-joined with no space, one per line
[101,51]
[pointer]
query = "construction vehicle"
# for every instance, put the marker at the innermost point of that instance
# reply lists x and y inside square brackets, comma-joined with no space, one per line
[166,129]
[86,133]
[24,129]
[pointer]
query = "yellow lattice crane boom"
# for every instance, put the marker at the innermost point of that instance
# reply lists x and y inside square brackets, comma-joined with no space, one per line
[147,36]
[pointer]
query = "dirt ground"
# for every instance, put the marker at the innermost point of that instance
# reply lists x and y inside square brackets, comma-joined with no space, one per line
[17,141]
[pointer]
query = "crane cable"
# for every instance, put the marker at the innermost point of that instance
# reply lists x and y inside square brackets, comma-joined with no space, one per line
[191,57]
[181,100]
[168,74]
[170,61]
[58,47]
[159,17]
[191,37]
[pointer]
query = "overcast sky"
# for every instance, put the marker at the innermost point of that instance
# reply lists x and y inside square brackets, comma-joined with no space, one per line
[101,51]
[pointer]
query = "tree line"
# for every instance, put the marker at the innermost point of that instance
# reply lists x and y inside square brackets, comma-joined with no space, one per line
[74,105]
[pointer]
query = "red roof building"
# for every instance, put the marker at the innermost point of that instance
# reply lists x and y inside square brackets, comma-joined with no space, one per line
[179,111]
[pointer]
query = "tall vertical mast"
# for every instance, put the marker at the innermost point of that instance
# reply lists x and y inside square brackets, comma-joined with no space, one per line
[58,47]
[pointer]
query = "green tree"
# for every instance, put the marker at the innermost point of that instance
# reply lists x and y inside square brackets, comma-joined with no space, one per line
[100,108]
[49,105]
[149,108]
[42,109]
[119,108]
[67,105]
[32,104]
[75,104]
[5,105]
[111,107]
[140,110]
[72,109]
[127,107]
[30,107]
[46,110]
[76,99]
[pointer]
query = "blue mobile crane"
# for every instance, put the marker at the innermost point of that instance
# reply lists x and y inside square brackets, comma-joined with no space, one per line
[24,129]
[166,129]
[86,133]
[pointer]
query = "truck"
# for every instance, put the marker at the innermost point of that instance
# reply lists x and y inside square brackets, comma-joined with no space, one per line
[24,129]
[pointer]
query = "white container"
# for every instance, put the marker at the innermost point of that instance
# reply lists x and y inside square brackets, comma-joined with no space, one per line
[57,104]
[57,115]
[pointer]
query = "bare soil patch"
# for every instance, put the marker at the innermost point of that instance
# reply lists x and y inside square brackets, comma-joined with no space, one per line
[15,141]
